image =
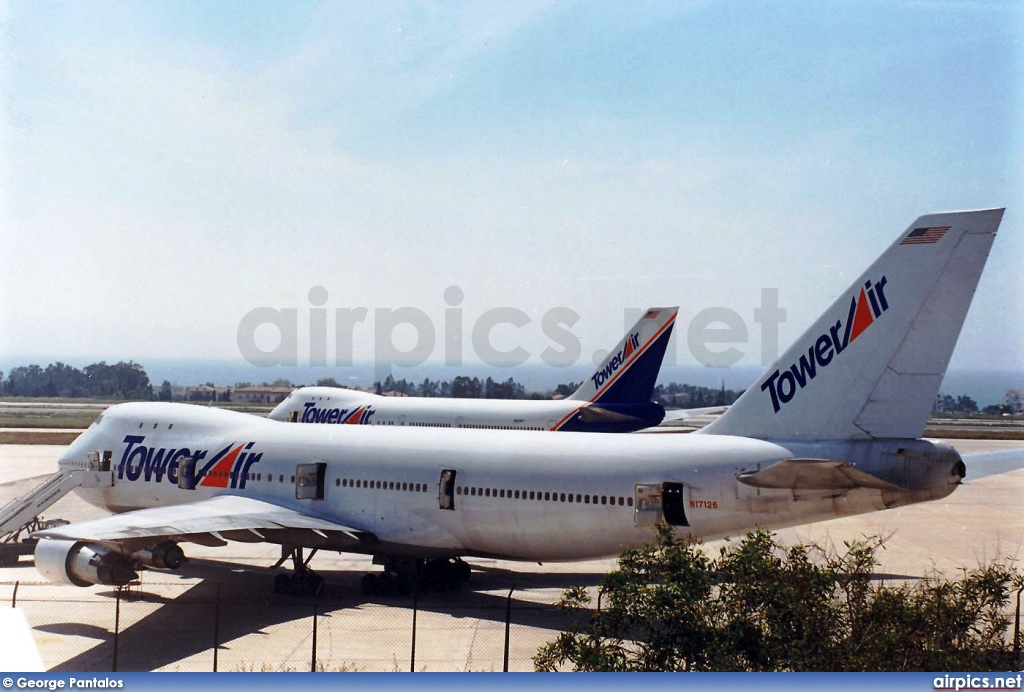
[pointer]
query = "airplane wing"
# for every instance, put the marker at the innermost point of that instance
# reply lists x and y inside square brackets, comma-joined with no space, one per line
[685,413]
[213,522]
[813,474]
[992,463]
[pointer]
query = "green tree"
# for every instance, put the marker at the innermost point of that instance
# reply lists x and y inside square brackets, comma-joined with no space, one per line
[327,382]
[464,387]
[165,391]
[760,606]
[566,388]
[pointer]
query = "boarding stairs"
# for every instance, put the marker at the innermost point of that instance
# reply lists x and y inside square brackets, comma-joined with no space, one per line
[21,515]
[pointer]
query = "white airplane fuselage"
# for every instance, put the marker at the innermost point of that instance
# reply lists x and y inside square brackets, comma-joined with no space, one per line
[333,406]
[513,495]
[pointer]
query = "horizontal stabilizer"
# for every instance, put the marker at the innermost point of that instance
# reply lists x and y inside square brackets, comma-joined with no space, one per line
[813,474]
[992,463]
[687,413]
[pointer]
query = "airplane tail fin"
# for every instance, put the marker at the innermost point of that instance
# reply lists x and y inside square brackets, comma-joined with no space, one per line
[629,373]
[871,366]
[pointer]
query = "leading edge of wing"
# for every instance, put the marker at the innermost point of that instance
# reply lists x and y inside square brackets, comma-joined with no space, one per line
[217,515]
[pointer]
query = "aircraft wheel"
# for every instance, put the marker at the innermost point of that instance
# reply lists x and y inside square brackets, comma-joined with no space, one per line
[371,584]
[464,571]
[307,584]
[386,585]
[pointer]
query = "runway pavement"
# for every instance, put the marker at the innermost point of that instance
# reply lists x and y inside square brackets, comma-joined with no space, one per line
[172,619]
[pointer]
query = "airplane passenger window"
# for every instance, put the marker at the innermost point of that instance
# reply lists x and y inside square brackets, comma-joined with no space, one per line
[547,496]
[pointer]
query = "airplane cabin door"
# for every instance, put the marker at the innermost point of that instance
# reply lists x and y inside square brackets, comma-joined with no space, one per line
[655,502]
[309,481]
[446,489]
[673,504]
[187,473]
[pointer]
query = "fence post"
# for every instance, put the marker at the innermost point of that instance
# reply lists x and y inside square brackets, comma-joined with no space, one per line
[216,627]
[1016,633]
[508,623]
[312,662]
[117,625]
[415,608]
[14,598]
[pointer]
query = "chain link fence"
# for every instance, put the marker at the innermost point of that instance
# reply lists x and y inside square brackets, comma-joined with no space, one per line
[209,627]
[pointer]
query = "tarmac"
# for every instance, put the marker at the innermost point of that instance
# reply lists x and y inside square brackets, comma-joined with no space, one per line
[173,620]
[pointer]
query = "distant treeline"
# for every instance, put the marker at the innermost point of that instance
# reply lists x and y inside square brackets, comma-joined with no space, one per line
[692,396]
[97,381]
[461,387]
[128,380]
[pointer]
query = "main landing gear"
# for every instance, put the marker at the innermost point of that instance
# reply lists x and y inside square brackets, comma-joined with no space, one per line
[300,582]
[403,576]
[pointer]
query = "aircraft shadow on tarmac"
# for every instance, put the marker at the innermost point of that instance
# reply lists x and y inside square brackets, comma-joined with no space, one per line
[182,627]
[178,628]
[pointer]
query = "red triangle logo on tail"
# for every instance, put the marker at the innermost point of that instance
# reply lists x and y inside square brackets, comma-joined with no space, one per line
[863,317]
[629,348]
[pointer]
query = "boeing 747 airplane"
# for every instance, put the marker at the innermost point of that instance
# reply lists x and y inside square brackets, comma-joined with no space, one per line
[615,398]
[831,430]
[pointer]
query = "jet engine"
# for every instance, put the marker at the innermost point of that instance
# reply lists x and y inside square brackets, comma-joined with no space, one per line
[166,555]
[82,564]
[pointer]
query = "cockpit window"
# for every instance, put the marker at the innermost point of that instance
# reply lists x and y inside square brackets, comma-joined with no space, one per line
[99,419]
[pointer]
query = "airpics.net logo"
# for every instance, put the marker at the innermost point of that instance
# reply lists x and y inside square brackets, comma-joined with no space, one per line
[408,336]
[959,682]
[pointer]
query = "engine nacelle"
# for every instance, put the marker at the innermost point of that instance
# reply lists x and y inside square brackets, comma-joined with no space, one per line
[166,555]
[82,564]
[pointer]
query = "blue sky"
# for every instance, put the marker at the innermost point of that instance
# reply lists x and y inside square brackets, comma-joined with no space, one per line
[169,167]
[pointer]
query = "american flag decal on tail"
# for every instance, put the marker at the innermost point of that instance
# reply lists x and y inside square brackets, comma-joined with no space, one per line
[925,236]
